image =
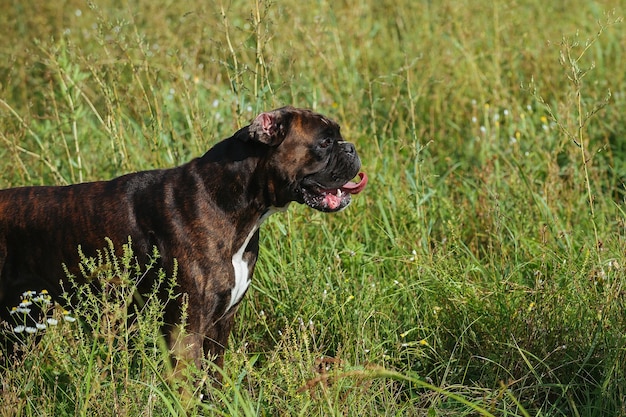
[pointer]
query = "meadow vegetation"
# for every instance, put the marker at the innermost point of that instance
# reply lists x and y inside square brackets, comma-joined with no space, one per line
[483,270]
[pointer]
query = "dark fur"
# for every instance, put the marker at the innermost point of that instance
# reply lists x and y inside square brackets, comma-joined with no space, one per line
[199,213]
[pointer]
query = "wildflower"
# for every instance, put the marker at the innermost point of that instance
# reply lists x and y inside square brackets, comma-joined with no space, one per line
[52,322]
[19,329]
[40,326]
[67,317]
[30,330]
[43,300]
[22,310]
[28,294]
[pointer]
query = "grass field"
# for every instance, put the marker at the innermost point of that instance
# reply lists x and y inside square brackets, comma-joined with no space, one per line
[483,270]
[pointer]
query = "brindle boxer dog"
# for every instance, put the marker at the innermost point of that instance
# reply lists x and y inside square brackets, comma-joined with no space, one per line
[204,214]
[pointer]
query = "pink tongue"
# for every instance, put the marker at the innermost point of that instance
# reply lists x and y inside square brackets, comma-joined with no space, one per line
[355,188]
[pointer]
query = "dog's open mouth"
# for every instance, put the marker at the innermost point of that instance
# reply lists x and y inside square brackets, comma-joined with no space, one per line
[333,199]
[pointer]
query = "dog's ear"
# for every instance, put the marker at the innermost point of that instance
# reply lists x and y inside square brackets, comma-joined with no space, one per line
[270,127]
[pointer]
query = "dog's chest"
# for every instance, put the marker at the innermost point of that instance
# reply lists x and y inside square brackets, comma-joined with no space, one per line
[242,272]
[241,266]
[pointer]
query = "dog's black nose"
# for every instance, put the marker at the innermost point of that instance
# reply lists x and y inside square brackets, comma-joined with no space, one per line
[349,148]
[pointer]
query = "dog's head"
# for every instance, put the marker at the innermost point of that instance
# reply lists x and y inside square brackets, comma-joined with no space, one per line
[310,161]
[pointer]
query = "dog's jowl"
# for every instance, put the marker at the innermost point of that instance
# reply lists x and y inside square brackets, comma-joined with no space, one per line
[204,214]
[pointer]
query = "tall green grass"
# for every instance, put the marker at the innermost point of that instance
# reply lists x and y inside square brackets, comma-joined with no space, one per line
[482,272]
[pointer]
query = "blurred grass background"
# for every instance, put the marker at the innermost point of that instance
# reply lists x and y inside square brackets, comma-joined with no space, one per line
[484,264]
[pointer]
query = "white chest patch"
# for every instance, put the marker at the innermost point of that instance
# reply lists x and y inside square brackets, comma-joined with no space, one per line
[240,265]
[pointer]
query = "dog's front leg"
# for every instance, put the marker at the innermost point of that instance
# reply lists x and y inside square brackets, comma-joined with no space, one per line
[216,342]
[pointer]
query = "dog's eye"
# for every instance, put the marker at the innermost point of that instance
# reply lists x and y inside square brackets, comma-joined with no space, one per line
[325,143]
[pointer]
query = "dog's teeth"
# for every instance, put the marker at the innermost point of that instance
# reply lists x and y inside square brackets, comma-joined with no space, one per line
[338,192]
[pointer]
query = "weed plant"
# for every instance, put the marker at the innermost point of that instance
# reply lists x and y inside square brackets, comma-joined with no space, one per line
[482,272]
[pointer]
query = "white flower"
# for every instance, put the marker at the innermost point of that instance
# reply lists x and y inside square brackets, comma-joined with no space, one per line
[40,326]
[52,322]
[69,318]
[19,329]
[31,330]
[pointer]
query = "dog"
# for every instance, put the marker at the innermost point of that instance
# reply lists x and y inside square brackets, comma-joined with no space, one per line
[204,216]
